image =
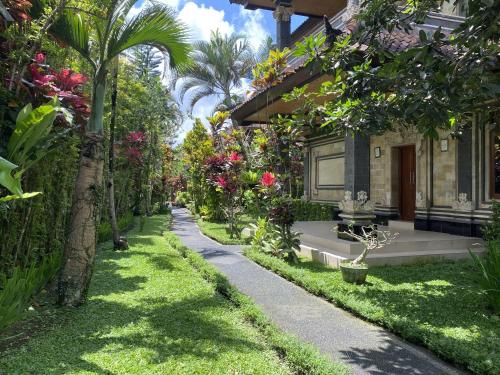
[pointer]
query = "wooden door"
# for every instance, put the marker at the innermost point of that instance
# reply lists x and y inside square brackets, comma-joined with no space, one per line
[408,183]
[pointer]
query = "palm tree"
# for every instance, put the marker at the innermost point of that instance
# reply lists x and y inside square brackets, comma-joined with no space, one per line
[217,69]
[99,39]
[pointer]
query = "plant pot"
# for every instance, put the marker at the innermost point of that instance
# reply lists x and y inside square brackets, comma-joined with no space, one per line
[354,274]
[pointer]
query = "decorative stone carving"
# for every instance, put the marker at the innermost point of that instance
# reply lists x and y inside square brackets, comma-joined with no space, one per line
[421,200]
[360,205]
[462,204]
[283,13]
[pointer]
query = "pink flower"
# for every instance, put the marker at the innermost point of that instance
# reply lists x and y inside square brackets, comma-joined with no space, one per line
[268,179]
[69,80]
[222,182]
[39,58]
[234,157]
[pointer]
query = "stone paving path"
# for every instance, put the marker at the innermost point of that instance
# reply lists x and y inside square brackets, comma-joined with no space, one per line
[366,348]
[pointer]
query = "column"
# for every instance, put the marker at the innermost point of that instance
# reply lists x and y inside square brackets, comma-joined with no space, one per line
[357,164]
[283,15]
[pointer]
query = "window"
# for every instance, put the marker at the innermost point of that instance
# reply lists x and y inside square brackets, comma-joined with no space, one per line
[495,164]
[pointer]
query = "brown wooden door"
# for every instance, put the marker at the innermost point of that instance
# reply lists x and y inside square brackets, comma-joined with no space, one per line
[408,183]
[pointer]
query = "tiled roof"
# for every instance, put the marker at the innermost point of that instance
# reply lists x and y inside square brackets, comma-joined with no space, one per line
[395,41]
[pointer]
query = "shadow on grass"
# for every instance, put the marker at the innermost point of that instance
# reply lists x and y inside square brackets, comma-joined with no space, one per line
[109,329]
[438,305]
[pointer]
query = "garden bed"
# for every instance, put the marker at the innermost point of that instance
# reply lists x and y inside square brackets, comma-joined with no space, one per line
[435,305]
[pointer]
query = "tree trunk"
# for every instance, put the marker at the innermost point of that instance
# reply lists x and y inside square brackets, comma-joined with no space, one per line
[79,252]
[118,242]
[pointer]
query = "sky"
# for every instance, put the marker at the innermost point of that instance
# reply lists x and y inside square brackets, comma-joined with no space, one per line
[204,16]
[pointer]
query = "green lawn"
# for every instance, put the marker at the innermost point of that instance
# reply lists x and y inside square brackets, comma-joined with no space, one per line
[218,231]
[149,312]
[436,305]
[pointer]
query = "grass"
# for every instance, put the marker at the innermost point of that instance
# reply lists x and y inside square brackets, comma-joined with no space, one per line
[151,312]
[435,305]
[218,231]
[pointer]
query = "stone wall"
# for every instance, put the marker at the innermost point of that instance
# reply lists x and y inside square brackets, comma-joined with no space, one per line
[444,175]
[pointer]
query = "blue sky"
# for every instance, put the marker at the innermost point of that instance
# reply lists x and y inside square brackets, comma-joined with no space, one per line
[204,16]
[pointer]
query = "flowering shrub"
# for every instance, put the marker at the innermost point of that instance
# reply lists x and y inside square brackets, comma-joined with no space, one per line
[268,180]
[224,172]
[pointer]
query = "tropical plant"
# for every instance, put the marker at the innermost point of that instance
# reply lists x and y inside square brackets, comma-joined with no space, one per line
[18,289]
[30,141]
[218,68]
[489,268]
[491,230]
[272,71]
[99,39]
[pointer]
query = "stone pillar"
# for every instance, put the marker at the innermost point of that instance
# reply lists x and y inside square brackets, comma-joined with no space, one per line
[307,193]
[283,16]
[464,163]
[357,164]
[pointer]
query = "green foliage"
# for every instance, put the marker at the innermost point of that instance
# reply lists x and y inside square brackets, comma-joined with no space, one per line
[429,304]
[18,289]
[491,230]
[217,70]
[302,358]
[182,198]
[218,231]
[311,211]
[489,268]
[124,222]
[30,141]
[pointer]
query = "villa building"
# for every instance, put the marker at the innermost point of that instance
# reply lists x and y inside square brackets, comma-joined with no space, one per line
[442,185]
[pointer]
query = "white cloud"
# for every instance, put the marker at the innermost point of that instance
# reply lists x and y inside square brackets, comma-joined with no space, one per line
[203,20]
[254,27]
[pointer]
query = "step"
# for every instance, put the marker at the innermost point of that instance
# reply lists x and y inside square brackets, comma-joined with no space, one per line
[333,259]
[422,241]
[398,225]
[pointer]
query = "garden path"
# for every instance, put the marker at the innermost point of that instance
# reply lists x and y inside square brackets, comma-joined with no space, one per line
[366,348]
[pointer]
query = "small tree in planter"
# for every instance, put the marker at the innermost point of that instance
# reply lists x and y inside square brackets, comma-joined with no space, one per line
[372,238]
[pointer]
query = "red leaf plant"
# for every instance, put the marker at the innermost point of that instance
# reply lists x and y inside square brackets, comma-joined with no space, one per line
[268,180]
[66,84]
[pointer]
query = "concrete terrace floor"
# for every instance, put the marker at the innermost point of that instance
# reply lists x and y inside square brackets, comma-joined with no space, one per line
[366,348]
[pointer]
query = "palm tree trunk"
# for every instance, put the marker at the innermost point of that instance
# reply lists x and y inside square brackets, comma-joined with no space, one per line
[118,242]
[79,252]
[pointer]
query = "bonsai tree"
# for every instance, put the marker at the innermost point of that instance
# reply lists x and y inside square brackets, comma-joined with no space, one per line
[372,238]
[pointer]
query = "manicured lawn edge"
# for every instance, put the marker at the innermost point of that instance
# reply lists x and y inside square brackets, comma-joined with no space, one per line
[302,358]
[223,240]
[410,332]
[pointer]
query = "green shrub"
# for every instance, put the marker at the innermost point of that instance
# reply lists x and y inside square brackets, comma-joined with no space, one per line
[489,267]
[18,290]
[182,199]
[105,232]
[310,211]
[491,230]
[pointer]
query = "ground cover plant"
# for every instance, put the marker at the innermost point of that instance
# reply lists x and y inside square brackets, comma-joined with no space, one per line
[436,305]
[148,311]
[218,231]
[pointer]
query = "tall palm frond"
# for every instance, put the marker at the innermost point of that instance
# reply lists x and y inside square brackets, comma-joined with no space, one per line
[218,68]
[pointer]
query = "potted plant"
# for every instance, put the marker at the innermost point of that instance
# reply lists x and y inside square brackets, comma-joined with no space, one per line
[371,237]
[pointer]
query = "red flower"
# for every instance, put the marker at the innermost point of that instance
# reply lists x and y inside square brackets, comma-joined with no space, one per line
[39,58]
[268,179]
[69,80]
[234,157]
[222,182]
